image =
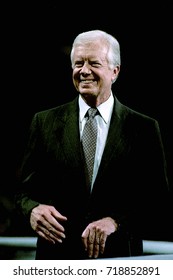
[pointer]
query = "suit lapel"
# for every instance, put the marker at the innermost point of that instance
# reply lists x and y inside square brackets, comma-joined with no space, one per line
[70,137]
[116,142]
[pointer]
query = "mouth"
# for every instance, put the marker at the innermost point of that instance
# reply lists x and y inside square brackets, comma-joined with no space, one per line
[86,81]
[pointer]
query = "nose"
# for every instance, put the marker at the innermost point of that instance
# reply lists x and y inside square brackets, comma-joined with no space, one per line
[86,68]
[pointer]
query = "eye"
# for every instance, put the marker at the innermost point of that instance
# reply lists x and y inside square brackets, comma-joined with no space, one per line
[95,64]
[78,64]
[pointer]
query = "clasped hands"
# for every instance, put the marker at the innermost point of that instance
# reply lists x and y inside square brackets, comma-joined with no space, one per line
[47,222]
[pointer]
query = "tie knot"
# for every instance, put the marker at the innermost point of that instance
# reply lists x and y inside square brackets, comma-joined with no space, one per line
[92,112]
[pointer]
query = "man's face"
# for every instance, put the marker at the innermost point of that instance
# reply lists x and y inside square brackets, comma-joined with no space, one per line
[91,73]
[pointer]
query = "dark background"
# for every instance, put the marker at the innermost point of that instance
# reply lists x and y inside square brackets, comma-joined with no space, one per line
[37,61]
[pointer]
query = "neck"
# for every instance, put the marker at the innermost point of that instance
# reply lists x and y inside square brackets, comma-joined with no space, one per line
[94,101]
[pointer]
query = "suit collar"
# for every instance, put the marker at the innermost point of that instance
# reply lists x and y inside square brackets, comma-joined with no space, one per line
[105,109]
[116,141]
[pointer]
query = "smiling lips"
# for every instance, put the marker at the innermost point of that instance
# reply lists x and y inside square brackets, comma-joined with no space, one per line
[87,81]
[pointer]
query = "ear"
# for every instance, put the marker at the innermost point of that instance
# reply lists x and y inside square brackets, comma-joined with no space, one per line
[115,73]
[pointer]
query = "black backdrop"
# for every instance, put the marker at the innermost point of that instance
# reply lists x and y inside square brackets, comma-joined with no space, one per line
[40,36]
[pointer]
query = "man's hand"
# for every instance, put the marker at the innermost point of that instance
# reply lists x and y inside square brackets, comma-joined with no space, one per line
[95,235]
[46,221]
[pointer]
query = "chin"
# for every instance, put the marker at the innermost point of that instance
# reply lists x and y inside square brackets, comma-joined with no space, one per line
[90,97]
[88,94]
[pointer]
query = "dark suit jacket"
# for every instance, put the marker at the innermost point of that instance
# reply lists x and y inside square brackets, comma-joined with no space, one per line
[131,185]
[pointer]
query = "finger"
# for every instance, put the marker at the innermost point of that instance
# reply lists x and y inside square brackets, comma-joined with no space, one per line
[47,234]
[91,242]
[96,248]
[97,236]
[85,235]
[48,238]
[53,224]
[50,231]
[103,238]
[58,215]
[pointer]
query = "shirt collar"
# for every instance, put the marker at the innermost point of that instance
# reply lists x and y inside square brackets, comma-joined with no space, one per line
[105,109]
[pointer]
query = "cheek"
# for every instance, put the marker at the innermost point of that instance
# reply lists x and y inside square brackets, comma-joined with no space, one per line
[75,72]
[75,76]
[75,81]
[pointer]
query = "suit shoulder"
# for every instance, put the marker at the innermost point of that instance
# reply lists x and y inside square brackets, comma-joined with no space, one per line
[133,119]
[57,111]
[138,116]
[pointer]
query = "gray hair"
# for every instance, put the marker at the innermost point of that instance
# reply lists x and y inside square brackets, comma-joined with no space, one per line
[113,55]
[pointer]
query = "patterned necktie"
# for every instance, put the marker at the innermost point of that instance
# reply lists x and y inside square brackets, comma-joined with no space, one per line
[89,139]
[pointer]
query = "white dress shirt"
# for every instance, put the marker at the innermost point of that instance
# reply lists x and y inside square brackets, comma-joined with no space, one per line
[103,122]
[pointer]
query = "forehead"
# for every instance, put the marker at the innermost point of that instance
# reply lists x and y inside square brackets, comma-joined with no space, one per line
[90,50]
